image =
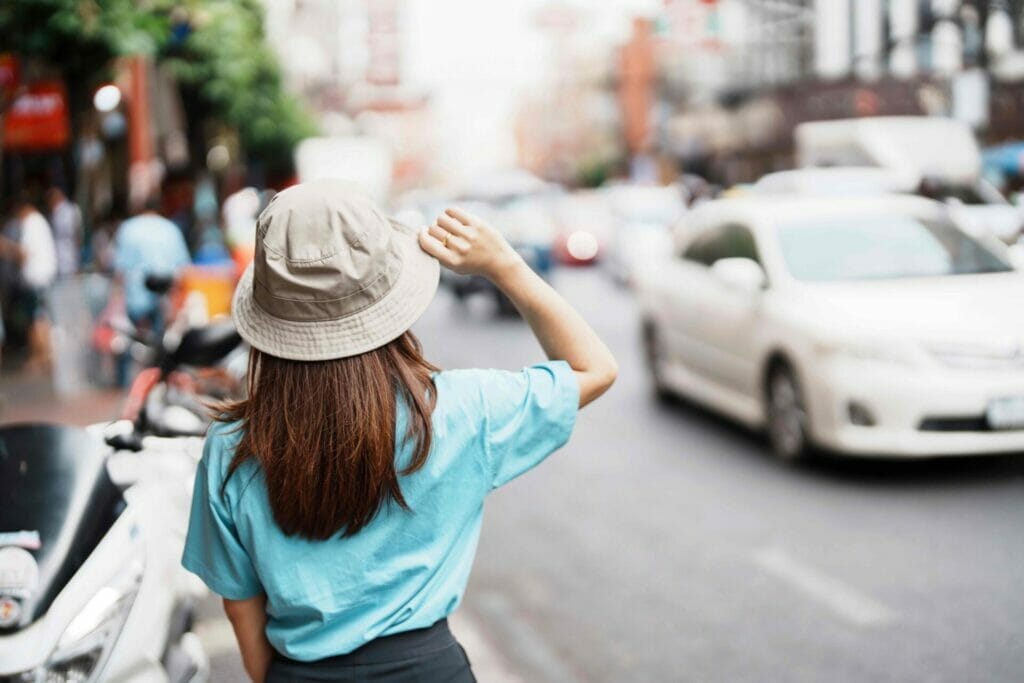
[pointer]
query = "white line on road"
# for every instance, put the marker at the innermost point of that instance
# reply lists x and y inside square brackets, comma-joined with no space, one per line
[521,642]
[842,599]
[488,664]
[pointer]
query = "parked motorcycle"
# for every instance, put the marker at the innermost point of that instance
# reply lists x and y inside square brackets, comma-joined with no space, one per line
[92,525]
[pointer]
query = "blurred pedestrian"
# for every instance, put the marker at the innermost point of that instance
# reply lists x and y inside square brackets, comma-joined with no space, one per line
[66,221]
[337,508]
[28,243]
[144,246]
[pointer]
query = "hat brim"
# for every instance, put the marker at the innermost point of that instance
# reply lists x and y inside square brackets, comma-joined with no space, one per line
[368,329]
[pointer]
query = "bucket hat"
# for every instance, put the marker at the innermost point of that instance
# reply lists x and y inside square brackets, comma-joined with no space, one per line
[332,276]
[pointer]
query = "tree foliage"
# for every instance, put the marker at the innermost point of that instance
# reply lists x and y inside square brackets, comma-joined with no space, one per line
[224,59]
[238,78]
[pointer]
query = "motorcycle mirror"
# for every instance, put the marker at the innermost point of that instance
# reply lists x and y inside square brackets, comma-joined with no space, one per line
[122,435]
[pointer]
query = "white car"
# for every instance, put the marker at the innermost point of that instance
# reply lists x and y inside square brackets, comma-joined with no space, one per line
[869,326]
[642,217]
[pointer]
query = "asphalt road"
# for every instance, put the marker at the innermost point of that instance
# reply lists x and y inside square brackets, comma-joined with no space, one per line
[664,544]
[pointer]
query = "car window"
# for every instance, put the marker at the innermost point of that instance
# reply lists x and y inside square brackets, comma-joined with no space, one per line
[881,246]
[724,241]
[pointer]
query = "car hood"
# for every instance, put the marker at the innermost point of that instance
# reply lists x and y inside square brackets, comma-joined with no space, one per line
[963,308]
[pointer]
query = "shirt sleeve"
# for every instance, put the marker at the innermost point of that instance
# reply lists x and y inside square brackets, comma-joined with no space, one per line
[528,416]
[212,549]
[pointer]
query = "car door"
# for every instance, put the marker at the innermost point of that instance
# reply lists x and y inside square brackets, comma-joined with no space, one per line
[731,315]
[687,335]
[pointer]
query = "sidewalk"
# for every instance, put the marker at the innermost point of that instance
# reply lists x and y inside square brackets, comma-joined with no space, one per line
[32,399]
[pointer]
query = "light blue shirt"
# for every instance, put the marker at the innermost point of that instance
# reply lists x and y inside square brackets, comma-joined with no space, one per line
[147,244]
[406,569]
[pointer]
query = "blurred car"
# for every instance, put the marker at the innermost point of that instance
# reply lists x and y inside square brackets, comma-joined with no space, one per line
[935,157]
[979,208]
[643,218]
[513,201]
[866,326]
[583,223]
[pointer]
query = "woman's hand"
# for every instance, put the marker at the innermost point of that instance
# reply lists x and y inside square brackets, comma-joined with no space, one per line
[469,246]
[466,244]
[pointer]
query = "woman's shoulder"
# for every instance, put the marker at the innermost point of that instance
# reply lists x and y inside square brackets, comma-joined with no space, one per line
[221,439]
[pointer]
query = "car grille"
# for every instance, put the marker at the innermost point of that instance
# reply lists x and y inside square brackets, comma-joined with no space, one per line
[955,424]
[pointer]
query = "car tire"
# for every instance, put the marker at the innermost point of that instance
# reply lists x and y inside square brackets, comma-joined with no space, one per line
[787,418]
[653,355]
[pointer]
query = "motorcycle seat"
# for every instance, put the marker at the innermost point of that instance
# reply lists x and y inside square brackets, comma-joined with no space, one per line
[53,480]
[206,345]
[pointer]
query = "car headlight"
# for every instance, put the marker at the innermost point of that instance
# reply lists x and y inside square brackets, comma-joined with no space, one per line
[89,637]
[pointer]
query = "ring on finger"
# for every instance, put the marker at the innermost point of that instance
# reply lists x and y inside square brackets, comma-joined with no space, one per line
[446,238]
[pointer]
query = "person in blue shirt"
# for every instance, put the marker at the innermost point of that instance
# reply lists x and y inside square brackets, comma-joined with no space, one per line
[337,508]
[146,244]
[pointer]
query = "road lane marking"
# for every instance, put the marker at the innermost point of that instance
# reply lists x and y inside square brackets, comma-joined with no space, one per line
[842,599]
[488,664]
[521,642]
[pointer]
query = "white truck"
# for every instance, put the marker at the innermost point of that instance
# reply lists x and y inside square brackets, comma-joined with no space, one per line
[933,156]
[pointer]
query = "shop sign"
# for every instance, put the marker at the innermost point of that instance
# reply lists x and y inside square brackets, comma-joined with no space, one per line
[37,119]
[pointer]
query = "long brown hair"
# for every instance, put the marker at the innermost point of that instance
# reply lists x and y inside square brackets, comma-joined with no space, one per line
[323,433]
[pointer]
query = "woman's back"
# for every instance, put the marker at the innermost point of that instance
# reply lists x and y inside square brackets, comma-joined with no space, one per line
[406,569]
[337,508]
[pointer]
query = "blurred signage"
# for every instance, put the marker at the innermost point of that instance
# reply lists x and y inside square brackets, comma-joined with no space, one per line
[843,100]
[37,119]
[8,76]
[691,23]
[557,17]
[383,43]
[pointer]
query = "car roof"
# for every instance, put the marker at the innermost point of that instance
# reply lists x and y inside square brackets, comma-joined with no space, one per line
[835,181]
[766,209]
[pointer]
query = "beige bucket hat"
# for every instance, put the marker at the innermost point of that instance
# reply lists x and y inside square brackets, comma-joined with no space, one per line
[332,276]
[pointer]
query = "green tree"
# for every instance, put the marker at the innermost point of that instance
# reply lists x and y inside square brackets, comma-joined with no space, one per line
[224,62]
[236,78]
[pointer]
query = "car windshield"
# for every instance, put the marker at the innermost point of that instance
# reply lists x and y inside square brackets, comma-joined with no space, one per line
[881,246]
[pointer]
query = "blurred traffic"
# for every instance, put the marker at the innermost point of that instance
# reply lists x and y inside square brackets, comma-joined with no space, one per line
[804,217]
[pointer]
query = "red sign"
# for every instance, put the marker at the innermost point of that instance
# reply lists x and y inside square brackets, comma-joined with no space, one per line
[37,120]
[8,75]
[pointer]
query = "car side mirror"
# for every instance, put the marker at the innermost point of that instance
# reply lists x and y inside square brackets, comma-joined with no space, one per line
[743,274]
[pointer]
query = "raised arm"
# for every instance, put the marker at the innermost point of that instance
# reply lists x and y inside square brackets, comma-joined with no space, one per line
[468,245]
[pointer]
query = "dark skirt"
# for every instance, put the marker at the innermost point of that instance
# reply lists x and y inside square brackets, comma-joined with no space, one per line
[427,655]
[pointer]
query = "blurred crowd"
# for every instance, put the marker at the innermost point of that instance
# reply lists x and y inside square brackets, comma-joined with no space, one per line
[185,234]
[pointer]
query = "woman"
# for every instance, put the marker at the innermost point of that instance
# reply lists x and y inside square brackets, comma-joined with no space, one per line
[337,508]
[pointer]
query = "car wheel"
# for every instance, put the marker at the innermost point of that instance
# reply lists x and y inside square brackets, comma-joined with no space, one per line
[787,416]
[655,363]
